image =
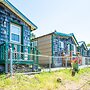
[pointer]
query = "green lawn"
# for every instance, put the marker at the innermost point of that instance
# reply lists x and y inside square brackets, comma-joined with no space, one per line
[47,81]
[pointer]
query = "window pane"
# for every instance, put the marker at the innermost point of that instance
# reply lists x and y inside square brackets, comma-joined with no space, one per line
[62,45]
[15,37]
[15,29]
[74,49]
[15,33]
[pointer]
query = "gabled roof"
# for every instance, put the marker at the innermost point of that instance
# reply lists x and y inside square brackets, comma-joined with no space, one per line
[68,35]
[62,34]
[56,33]
[75,40]
[18,13]
[80,43]
[84,44]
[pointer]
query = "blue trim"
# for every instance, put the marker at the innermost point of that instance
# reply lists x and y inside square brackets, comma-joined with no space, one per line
[84,44]
[23,16]
[67,35]
[62,34]
[74,38]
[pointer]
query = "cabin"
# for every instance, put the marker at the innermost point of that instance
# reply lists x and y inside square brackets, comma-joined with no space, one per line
[82,48]
[84,52]
[56,44]
[15,35]
[88,52]
[88,55]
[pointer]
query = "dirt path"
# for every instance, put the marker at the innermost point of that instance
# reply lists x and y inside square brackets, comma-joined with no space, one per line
[82,84]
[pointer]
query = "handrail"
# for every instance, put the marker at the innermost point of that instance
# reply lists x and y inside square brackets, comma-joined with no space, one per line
[21,46]
[18,47]
[18,44]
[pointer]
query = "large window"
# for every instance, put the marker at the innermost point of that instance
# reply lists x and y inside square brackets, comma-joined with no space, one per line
[15,33]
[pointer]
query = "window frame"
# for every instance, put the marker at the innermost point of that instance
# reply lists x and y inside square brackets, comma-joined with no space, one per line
[19,42]
[62,46]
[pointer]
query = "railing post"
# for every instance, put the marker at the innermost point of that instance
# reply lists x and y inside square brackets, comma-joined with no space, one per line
[66,61]
[28,53]
[33,55]
[11,63]
[6,59]
[37,56]
[87,62]
[78,61]
[50,64]
[18,54]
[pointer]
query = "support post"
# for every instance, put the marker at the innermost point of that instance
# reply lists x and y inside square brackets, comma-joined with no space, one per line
[78,59]
[66,61]
[49,64]
[6,60]
[11,63]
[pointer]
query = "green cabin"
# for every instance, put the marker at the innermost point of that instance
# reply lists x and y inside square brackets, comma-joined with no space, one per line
[83,49]
[55,44]
[15,33]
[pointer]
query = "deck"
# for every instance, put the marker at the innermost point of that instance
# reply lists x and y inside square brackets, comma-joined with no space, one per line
[19,54]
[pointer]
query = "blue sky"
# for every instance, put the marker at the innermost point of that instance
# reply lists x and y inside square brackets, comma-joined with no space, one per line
[66,16]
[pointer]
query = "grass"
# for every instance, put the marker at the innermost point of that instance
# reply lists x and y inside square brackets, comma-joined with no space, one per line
[43,81]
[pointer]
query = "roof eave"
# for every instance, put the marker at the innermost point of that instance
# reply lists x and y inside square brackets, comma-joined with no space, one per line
[84,44]
[62,34]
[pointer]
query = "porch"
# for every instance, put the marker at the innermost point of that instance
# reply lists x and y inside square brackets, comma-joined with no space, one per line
[19,54]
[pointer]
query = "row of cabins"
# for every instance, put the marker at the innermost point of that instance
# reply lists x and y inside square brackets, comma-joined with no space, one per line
[16,33]
[59,45]
[56,44]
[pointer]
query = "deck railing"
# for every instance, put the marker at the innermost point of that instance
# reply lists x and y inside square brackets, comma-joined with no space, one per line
[19,52]
[20,55]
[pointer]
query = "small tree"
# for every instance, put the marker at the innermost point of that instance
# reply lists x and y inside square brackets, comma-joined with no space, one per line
[88,45]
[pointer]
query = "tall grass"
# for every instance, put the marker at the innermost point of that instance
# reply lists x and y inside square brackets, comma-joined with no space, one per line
[43,81]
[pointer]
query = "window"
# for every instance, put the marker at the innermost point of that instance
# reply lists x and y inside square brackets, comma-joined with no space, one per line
[35,43]
[74,49]
[15,37]
[62,44]
[15,33]
[68,47]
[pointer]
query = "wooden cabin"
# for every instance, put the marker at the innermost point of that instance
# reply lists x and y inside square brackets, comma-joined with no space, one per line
[15,33]
[82,48]
[56,44]
[88,52]
[84,52]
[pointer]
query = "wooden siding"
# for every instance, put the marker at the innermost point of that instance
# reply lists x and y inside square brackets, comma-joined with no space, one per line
[7,17]
[45,48]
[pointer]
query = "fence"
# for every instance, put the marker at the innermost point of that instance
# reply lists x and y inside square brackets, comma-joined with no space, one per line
[85,60]
[18,58]
[46,63]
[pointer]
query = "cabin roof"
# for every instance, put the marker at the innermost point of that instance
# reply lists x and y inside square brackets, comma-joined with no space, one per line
[74,38]
[55,33]
[68,35]
[61,34]
[84,44]
[19,14]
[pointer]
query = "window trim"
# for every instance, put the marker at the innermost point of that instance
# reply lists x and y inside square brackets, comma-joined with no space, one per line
[16,34]
[62,46]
